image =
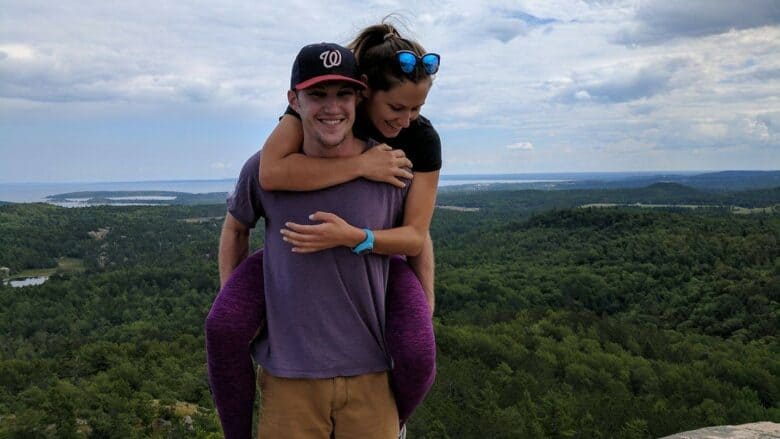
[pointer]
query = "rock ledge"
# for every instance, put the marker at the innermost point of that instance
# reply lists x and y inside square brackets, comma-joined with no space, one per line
[758,430]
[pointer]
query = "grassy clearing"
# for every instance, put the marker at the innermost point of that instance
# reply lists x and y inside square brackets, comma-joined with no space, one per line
[586,206]
[734,209]
[204,219]
[747,211]
[651,206]
[36,272]
[64,265]
[179,408]
[70,265]
[459,208]
[183,409]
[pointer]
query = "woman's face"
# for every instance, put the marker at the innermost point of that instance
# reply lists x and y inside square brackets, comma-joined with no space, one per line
[391,111]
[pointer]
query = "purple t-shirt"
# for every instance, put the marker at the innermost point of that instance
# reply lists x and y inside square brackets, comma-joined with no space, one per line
[325,310]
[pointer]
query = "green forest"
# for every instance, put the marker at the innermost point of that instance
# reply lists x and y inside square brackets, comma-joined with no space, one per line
[553,320]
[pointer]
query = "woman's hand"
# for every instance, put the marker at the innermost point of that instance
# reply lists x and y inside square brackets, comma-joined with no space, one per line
[384,164]
[331,232]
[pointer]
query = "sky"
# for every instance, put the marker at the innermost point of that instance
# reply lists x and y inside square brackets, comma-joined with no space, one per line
[164,90]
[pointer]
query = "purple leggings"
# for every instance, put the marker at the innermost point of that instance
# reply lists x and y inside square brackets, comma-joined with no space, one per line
[238,314]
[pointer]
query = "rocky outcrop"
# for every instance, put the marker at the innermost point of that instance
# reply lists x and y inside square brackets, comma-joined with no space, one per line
[99,233]
[758,430]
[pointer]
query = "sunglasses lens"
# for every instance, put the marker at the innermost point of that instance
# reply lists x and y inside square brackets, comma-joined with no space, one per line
[407,61]
[431,63]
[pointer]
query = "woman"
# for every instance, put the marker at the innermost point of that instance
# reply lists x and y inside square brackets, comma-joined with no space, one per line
[399,76]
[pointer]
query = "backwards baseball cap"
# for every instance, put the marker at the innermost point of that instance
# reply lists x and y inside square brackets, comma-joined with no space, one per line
[321,62]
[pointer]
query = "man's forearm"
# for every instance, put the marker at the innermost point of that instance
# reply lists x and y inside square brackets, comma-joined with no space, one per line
[424,265]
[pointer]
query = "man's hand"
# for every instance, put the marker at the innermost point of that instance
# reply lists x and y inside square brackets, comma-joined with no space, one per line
[331,232]
[384,164]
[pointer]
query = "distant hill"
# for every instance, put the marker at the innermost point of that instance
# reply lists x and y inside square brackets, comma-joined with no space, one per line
[733,180]
[667,191]
[715,181]
[710,181]
[677,193]
[521,202]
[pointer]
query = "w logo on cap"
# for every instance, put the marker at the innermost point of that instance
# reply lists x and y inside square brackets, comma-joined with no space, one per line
[322,62]
[331,58]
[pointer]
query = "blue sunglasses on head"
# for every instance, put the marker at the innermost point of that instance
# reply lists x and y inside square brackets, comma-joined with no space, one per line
[408,61]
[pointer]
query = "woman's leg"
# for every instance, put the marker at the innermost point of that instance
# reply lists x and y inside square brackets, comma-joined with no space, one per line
[410,339]
[236,316]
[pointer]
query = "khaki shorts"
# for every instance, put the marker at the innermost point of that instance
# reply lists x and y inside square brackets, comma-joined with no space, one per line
[342,408]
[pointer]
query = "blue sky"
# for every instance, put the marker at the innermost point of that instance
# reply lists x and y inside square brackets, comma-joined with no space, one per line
[157,90]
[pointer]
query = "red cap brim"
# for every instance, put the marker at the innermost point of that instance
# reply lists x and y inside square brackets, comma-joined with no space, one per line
[317,79]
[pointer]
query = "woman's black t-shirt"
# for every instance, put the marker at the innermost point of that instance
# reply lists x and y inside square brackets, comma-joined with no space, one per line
[419,141]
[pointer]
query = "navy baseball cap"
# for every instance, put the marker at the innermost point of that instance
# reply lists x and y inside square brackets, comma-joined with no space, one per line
[321,62]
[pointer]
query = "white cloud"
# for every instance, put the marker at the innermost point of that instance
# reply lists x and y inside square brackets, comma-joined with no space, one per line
[625,81]
[582,95]
[657,21]
[759,128]
[220,165]
[522,146]
[711,130]
[17,52]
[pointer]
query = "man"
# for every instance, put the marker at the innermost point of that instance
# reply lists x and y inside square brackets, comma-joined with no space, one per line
[324,356]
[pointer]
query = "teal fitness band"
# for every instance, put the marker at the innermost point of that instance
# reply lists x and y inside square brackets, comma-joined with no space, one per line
[367,245]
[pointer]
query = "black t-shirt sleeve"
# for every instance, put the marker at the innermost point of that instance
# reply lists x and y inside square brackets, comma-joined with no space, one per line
[291,112]
[422,146]
[244,202]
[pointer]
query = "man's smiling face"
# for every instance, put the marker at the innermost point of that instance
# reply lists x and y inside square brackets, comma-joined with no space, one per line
[327,113]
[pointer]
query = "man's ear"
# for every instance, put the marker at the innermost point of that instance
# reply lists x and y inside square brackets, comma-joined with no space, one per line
[292,99]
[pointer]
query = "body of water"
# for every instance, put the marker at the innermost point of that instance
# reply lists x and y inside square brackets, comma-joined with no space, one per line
[37,192]
[18,283]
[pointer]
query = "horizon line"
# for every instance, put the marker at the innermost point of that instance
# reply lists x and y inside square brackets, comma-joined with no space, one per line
[442,176]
